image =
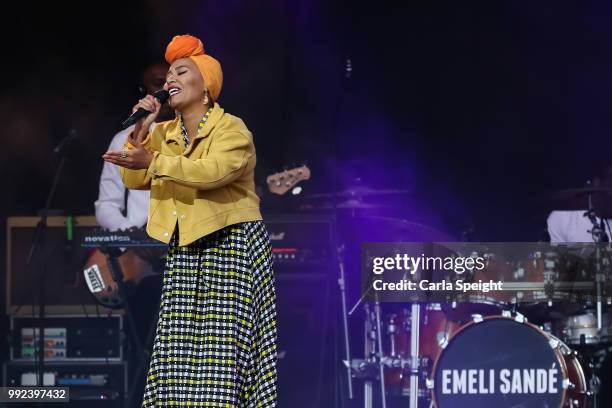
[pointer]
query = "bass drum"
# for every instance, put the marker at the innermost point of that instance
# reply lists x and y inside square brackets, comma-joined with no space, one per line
[504,361]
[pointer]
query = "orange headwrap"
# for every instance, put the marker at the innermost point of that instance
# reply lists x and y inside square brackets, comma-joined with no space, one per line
[183,46]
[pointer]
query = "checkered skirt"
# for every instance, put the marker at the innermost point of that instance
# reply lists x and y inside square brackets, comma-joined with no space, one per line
[216,336]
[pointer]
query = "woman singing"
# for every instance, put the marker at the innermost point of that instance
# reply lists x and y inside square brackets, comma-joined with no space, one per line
[216,336]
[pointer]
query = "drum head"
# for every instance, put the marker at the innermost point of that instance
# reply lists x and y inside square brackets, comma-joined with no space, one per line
[499,363]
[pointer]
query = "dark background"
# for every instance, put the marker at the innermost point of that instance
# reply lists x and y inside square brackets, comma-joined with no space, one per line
[480,108]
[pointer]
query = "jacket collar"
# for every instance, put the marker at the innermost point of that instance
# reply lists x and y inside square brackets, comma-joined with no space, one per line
[215,116]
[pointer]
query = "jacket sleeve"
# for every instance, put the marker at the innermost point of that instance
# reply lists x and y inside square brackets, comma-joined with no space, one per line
[137,179]
[230,154]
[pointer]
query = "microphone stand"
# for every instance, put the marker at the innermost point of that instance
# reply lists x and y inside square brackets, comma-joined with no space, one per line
[348,70]
[347,349]
[381,364]
[599,237]
[38,241]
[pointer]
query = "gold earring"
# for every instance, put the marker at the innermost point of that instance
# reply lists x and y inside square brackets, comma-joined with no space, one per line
[205,102]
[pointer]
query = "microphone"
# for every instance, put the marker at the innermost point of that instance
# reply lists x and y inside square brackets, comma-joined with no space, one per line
[161,95]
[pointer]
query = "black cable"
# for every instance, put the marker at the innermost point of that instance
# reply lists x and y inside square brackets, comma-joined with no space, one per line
[84,310]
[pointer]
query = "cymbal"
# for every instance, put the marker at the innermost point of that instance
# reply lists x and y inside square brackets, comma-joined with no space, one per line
[359,191]
[389,229]
[351,204]
[577,199]
[582,191]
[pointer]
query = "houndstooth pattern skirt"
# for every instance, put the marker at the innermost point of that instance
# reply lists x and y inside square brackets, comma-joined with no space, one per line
[215,344]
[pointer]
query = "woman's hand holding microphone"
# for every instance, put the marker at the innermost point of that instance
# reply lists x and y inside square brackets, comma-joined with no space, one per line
[138,157]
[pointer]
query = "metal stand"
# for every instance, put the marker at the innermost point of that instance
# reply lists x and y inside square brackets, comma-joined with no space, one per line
[594,361]
[348,69]
[415,320]
[380,354]
[594,386]
[598,232]
[367,393]
[369,348]
[342,285]
[599,236]
[38,242]
[599,280]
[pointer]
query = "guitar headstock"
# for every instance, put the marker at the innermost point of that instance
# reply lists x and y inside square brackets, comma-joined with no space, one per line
[281,182]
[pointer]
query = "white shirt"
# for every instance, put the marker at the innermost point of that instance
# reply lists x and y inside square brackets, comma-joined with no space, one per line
[111,196]
[571,226]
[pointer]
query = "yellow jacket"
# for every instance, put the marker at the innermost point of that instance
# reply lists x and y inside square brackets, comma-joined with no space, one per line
[205,187]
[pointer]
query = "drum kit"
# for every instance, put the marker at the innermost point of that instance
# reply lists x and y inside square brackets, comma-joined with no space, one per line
[540,344]
[432,358]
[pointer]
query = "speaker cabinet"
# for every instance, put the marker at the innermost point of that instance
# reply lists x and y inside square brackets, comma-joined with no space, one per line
[59,260]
